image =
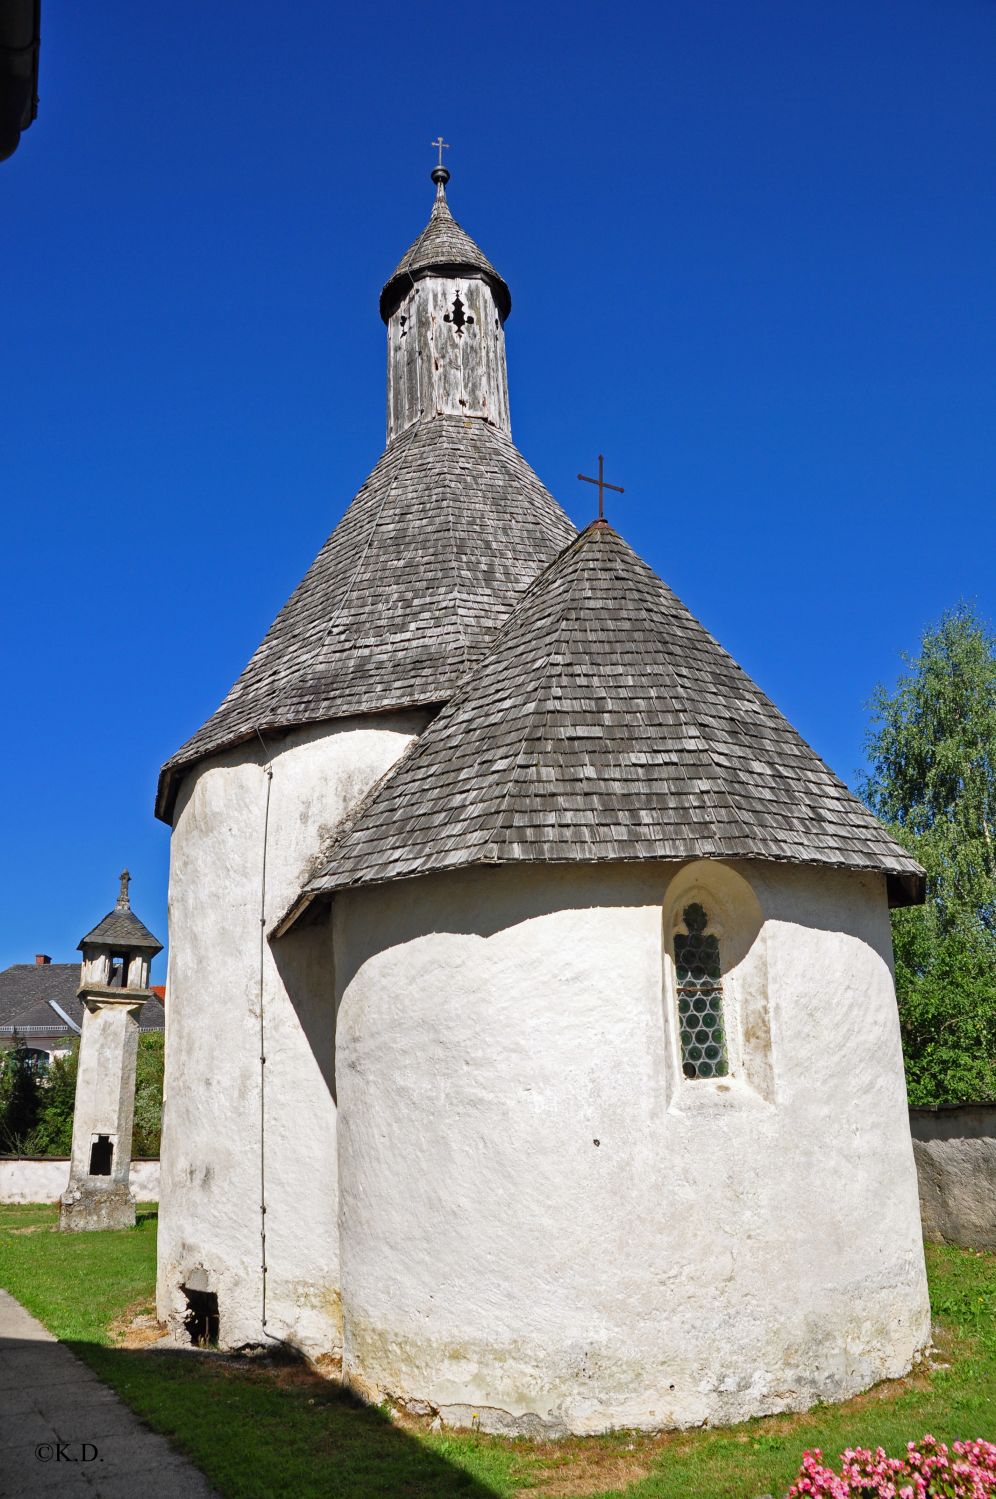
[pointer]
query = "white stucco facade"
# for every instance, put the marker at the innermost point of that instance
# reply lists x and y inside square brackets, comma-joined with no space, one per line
[240,1133]
[544,1225]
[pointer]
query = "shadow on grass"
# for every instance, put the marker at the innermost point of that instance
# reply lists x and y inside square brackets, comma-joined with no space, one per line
[258,1428]
[265,1427]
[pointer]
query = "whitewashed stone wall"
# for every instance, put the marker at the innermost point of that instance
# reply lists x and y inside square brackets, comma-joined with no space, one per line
[44,1179]
[955,1151]
[544,1226]
[216,1130]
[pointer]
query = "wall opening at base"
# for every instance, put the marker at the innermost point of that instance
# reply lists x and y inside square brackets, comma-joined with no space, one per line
[202,1320]
[101,1155]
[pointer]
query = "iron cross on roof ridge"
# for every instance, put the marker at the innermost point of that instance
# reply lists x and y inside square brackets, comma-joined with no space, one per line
[441,146]
[603,485]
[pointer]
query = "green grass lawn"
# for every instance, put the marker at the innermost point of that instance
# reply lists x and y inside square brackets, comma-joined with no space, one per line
[262,1429]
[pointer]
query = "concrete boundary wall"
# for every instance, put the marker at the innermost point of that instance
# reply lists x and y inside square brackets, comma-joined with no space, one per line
[45,1178]
[955,1150]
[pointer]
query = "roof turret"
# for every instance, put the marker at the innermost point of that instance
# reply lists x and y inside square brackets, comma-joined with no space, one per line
[435,549]
[443,249]
[607,724]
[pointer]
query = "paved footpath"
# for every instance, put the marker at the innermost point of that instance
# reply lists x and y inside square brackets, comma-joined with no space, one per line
[62,1432]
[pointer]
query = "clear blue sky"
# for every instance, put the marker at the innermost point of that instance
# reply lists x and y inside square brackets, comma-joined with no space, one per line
[751,252]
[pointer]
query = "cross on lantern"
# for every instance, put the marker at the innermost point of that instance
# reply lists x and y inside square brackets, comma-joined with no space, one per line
[442,146]
[602,484]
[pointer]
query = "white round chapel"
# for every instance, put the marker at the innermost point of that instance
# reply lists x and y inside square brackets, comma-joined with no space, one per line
[532,1045]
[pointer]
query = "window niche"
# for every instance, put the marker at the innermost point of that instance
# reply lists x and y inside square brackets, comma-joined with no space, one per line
[699,983]
[715,989]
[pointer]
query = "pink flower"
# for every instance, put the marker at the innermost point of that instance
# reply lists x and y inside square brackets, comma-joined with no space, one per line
[928,1471]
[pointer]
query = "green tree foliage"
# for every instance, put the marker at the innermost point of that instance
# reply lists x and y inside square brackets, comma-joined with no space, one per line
[148,1095]
[932,778]
[36,1108]
[18,1098]
[53,1133]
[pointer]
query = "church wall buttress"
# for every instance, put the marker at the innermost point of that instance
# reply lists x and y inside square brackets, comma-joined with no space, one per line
[446,355]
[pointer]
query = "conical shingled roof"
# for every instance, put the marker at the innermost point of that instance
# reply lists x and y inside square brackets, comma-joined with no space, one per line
[442,248]
[406,594]
[121,927]
[607,724]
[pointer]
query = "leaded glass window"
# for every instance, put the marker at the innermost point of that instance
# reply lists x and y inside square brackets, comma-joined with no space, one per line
[700,997]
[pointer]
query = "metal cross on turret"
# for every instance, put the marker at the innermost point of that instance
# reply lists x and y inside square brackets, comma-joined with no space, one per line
[442,146]
[603,485]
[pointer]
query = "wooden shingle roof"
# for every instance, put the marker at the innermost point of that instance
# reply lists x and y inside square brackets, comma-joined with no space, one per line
[406,594]
[607,724]
[443,248]
[122,928]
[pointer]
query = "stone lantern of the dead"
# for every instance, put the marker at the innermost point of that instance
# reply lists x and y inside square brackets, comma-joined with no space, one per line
[114,985]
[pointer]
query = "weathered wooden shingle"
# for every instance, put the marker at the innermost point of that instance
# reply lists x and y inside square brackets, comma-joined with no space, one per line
[606,724]
[406,594]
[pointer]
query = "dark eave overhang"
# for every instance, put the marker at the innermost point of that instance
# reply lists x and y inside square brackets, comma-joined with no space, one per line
[20,35]
[402,281]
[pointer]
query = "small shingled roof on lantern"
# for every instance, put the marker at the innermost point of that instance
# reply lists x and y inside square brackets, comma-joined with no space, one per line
[121,927]
[443,249]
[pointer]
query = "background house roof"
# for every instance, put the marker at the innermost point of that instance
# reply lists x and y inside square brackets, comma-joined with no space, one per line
[26,988]
[406,594]
[607,724]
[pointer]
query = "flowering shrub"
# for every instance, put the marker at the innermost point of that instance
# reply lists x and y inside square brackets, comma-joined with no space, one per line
[930,1470]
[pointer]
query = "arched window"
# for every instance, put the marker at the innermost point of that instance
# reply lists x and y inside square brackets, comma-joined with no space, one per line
[699,974]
